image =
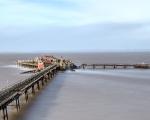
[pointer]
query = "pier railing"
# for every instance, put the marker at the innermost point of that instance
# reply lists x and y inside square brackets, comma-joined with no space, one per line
[114,66]
[14,92]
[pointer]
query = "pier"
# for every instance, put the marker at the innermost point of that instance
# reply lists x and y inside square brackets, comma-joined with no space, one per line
[13,93]
[114,66]
[44,69]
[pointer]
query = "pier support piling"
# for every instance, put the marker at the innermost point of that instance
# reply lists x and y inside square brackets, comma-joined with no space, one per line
[5,113]
[33,90]
[26,95]
[17,104]
[38,85]
[42,81]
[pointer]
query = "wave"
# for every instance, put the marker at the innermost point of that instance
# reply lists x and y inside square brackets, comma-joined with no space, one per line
[17,67]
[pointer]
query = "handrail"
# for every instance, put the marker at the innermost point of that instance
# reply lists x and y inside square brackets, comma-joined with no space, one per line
[18,87]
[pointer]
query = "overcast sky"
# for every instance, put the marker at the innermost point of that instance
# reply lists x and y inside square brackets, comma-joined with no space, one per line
[74,25]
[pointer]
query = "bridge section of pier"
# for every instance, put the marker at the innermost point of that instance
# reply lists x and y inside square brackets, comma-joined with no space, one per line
[24,88]
[114,66]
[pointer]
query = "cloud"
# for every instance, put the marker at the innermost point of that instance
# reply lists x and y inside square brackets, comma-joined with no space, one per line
[74,25]
[93,37]
[27,13]
[72,12]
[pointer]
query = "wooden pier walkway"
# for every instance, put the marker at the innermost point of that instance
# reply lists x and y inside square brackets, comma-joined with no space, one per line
[114,66]
[13,93]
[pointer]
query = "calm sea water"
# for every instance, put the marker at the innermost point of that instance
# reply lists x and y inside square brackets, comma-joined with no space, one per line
[87,94]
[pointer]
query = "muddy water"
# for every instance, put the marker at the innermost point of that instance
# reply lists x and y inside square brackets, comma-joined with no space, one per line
[94,95]
[87,95]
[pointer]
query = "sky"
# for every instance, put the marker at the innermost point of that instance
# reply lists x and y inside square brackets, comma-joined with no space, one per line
[74,25]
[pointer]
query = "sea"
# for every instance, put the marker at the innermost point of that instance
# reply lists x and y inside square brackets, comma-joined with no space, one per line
[101,94]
